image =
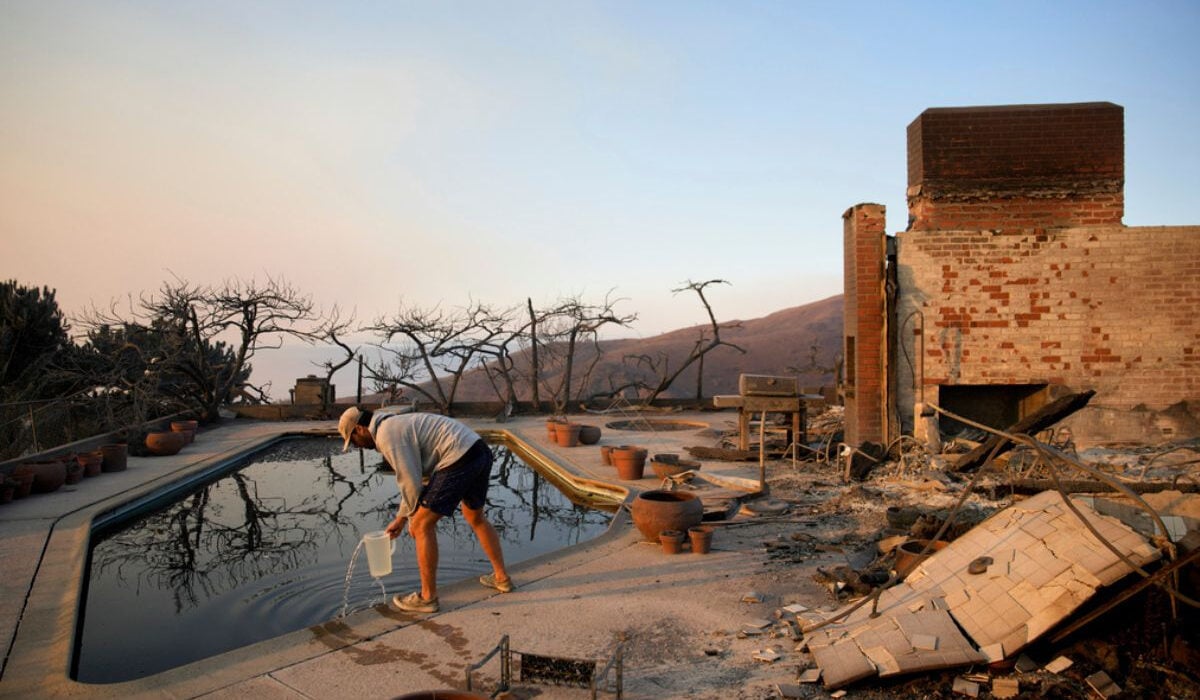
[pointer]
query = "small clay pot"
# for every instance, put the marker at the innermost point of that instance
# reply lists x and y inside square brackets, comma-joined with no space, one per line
[90,462]
[551,431]
[115,457]
[701,537]
[606,455]
[589,435]
[187,427]
[442,695]
[671,540]
[74,473]
[163,444]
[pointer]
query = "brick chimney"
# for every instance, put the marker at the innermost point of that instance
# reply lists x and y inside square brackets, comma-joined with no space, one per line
[1016,167]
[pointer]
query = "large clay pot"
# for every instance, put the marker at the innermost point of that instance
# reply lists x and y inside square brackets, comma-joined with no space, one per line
[589,435]
[165,443]
[115,457]
[630,462]
[655,511]
[48,476]
[567,434]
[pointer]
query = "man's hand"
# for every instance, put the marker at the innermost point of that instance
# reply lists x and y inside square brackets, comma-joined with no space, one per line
[396,527]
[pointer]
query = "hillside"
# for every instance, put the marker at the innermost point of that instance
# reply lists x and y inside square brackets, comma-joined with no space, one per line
[780,343]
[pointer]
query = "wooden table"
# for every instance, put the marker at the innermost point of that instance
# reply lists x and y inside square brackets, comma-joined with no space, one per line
[747,406]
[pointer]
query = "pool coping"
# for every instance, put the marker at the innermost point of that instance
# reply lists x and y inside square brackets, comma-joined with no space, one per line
[40,658]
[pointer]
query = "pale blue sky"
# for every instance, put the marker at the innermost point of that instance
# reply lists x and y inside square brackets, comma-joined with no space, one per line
[440,151]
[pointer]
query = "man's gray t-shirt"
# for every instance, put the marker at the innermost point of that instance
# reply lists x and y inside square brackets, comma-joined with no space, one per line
[416,445]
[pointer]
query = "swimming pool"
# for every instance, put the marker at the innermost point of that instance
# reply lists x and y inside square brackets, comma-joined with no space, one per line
[261,548]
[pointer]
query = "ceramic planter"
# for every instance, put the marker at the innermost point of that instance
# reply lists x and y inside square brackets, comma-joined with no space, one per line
[701,537]
[589,435]
[48,476]
[165,443]
[74,473]
[567,434]
[90,462]
[908,555]
[629,461]
[658,510]
[187,427]
[115,457]
[665,465]
[671,540]
[606,455]
[23,476]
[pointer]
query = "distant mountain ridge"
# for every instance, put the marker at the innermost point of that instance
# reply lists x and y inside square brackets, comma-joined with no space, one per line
[804,341]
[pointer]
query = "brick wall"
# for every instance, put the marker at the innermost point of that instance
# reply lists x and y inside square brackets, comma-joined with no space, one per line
[1014,167]
[1112,309]
[865,245]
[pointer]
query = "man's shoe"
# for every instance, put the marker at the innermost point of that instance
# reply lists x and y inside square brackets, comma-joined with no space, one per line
[413,602]
[490,581]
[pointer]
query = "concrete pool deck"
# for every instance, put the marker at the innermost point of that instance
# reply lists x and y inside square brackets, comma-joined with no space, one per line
[571,603]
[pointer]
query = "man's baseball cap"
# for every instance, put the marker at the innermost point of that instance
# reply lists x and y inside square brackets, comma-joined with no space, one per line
[346,425]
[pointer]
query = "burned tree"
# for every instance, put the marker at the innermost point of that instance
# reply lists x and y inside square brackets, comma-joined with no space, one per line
[567,325]
[435,349]
[708,339]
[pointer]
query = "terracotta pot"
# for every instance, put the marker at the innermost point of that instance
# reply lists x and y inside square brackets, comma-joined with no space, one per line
[163,444]
[908,555]
[24,478]
[606,455]
[187,427]
[48,476]
[589,435]
[630,467]
[90,462]
[701,537]
[567,434]
[658,510]
[671,540]
[74,473]
[551,432]
[115,457]
[664,468]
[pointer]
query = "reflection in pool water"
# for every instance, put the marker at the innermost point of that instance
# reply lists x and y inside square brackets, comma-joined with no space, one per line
[263,551]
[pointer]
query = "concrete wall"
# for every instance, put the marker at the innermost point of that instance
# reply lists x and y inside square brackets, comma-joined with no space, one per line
[1114,309]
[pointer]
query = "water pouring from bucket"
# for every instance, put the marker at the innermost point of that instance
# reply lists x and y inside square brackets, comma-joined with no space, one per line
[380,548]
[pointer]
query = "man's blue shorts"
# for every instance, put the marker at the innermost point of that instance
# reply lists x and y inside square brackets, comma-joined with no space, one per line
[465,481]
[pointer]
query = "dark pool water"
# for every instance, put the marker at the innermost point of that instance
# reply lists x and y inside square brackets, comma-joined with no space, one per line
[264,551]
